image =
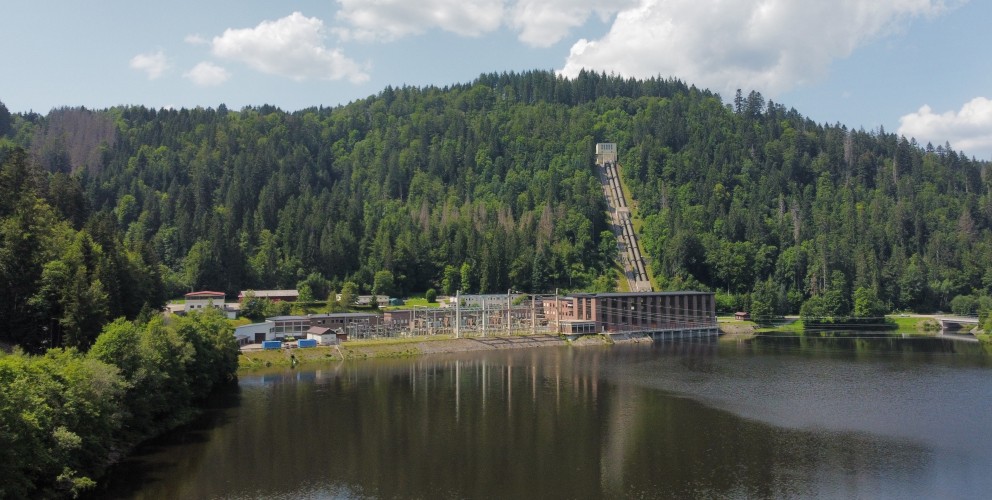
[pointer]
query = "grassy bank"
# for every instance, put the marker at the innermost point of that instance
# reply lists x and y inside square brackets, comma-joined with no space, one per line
[893,323]
[412,302]
[914,324]
[733,329]
[389,348]
[787,326]
[385,348]
[730,326]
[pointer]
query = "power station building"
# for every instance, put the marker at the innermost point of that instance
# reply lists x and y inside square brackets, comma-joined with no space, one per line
[606,152]
[632,311]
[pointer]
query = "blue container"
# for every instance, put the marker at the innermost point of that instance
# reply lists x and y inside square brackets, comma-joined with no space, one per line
[306,343]
[271,344]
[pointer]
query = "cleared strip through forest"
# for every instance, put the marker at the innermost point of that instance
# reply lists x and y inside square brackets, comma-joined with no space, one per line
[630,254]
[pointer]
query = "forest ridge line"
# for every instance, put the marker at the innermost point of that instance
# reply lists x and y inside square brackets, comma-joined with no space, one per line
[483,186]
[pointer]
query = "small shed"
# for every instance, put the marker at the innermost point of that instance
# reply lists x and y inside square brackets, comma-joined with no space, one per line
[323,335]
[742,316]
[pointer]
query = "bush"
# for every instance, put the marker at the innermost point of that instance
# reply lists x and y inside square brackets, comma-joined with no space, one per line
[727,303]
[431,296]
[60,415]
[64,416]
[984,307]
[964,305]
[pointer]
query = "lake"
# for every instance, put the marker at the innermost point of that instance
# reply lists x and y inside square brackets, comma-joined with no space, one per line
[839,416]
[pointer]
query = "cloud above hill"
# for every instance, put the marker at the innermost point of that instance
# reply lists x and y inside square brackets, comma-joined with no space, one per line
[153,64]
[968,129]
[293,47]
[542,23]
[770,45]
[388,20]
[207,74]
[539,23]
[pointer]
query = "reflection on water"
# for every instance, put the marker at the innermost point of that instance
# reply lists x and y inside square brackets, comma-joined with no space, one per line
[772,417]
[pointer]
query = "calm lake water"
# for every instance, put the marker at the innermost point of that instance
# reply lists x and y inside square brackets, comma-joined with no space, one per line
[847,417]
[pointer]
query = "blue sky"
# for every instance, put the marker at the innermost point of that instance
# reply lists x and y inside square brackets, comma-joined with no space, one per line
[918,67]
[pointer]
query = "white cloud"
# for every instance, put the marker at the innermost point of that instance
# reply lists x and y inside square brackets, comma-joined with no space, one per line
[768,45]
[195,39]
[292,47]
[154,64]
[968,130]
[207,74]
[389,20]
[543,23]
[540,23]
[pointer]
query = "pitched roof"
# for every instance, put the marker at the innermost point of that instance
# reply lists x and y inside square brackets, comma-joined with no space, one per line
[271,293]
[342,315]
[205,294]
[635,294]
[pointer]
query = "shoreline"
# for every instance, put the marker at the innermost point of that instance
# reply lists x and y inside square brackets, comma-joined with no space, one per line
[255,359]
[735,330]
[252,359]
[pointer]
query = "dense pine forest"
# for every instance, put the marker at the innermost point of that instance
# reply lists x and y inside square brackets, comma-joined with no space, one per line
[481,187]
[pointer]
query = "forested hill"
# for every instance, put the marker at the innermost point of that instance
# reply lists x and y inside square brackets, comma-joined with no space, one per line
[489,185]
